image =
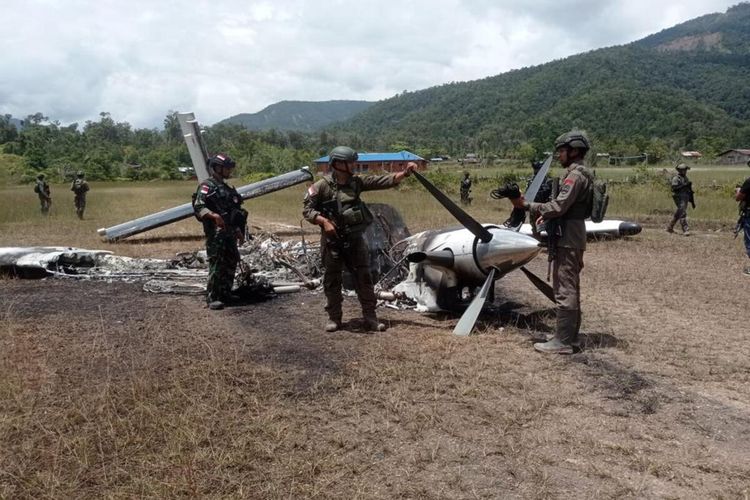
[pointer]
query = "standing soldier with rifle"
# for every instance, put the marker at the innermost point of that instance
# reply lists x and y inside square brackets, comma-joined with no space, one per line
[218,206]
[465,189]
[45,197]
[563,217]
[742,195]
[334,204]
[682,194]
[79,187]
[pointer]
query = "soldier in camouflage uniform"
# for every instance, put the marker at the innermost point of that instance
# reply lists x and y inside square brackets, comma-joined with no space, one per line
[334,204]
[742,195]
[79,187]
[682,194]
[218,206]
[564,220]
[45,197]
[465,189]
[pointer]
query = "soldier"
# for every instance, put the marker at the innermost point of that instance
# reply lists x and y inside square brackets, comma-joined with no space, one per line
[742,195]
[42,189]
[334,204]
[465,188]
[218,206]
[545,190]
[564,221]
[682,194]
[79,187]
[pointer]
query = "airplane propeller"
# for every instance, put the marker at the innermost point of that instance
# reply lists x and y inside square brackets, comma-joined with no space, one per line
[468,319]
[466,324]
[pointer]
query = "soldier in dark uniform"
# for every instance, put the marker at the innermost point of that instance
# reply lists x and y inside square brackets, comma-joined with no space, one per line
[45,197]
[564,220]
[465,189]
[79,187]
[543,195]
[334,204]
[218,206]
[742,195]
[682,194]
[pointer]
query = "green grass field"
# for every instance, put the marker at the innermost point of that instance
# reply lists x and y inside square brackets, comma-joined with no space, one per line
[114,202]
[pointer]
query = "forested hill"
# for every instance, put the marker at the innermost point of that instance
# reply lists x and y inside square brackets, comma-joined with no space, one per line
[685,87]
[301,116]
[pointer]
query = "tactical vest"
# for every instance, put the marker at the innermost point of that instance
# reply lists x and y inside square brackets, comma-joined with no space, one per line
[348,210]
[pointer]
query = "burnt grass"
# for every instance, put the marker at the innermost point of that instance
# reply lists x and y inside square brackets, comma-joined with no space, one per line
[109,391]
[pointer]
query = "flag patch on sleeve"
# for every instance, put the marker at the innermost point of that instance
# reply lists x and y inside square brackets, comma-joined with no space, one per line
[569,182]
[204,189]
[311,190]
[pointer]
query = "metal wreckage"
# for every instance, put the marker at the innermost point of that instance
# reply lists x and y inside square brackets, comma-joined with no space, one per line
[442,269]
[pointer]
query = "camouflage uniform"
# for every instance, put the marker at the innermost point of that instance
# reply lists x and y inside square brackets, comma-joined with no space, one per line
[45,199]
[682,191]
[221,245]
[745,217]
[569,209]
[79,187]
[350,249]
[465,189]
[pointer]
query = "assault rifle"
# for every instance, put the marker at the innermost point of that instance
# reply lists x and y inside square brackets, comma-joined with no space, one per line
[692,194]
[331,211]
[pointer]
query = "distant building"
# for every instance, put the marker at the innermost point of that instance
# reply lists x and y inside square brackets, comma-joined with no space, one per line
[734,156]
[691,154]
[379,162]
[470,158]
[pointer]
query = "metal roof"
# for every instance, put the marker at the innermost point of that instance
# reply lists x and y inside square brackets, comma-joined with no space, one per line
[365,157]
[740,151]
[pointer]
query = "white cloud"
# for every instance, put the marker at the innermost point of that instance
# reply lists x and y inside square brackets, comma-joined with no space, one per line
[137,60]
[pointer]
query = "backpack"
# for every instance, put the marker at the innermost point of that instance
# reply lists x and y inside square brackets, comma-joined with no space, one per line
[599,199]
[599,196]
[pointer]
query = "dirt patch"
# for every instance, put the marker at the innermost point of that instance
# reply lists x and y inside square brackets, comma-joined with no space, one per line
[110,391]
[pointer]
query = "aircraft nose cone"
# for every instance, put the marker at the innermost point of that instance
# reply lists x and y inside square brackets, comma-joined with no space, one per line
[507,250]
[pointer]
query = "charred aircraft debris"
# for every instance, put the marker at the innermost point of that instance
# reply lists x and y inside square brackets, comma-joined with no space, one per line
[441,269]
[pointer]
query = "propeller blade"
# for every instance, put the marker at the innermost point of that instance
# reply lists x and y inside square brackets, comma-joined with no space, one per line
[538,282]
[466,323]
[465,219]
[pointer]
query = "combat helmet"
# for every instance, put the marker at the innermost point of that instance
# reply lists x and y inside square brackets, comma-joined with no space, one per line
[342,153]
[79,173]
[40,176]
[220,160]
[682,166]
[575,139]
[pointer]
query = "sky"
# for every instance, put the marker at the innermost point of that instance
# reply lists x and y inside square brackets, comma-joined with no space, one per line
[140,59]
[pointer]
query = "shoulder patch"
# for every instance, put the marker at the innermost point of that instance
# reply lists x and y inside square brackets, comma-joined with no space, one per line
[204,189]
[569,182]
[312,191]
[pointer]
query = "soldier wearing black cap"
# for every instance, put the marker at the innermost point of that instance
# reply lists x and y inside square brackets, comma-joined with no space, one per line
[682,194]
[334,204]
[218,206]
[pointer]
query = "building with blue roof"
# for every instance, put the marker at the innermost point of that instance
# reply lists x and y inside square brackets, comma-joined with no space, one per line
[378,162]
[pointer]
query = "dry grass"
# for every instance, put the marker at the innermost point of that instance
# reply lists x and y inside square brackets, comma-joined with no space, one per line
[108,392]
